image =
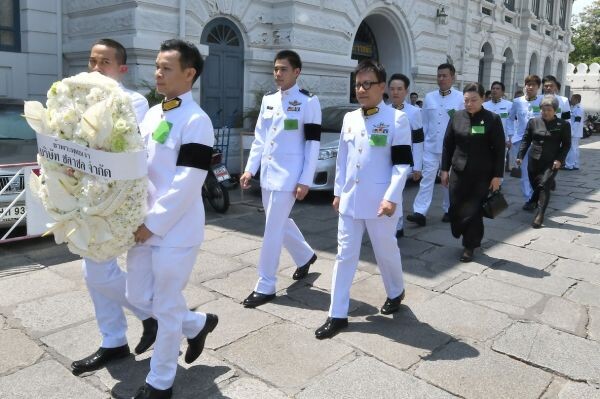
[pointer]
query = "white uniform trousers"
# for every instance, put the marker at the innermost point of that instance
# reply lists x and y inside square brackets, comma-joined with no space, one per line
[385,246]
[431,164]
[572,160]
[155,282]
[106,285]
[280,230]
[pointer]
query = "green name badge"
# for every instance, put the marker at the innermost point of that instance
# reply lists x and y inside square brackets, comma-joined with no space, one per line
[378,140]
[290,124]
[504,115]
[477,129]
[535,108]
[451,112]
[162,132]
[558,111]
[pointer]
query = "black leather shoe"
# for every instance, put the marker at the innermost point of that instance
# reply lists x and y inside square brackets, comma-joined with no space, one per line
[147,391]
[467,255]
[399,233]
[417,218]
[196,344]
[529,206]
[256,299]
[148,335]
[538,220]
[392,305]
[302,271]
[99,359]
[331,327]
[446,218]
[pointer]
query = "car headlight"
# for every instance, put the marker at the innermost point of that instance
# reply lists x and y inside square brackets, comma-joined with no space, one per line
[327,153]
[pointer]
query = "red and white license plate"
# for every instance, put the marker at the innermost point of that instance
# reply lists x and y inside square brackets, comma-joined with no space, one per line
[221,173]
[13,213]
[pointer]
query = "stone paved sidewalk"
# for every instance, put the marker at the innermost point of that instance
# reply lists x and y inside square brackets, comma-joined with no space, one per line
[522,321]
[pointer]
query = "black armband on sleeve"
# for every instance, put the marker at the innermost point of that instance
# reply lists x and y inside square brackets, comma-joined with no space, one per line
[417,135]
[578,119]
[566,115]
[312,131]
[402,155]
[195,155]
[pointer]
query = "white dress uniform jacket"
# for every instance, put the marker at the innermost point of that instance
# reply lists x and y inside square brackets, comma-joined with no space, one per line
[417,136]
[139,102]
[564,108]
[577,121]
[522,111]
[366,173]
[286,140]
[177,168]
[437,110]
[502,108]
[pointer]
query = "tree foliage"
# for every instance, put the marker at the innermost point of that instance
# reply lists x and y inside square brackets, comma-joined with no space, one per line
[586,35]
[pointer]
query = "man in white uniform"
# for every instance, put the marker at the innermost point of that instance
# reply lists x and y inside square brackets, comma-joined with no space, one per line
[501,107]
[373,162]
[105,280]
[438,108]
[551,85]
[577,118]
[179,137]
[286,148]
[398,85]
[524,108]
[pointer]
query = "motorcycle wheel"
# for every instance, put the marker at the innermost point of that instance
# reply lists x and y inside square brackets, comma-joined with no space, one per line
[216,194]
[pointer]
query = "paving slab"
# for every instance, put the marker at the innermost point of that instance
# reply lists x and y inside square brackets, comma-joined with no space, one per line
[521,256]
[441,237]
[496,295]
[487,375]
[245,388]
[230,245]
[290,309]
[579,390]
[411,247]
[30,286]
[443,258]
[383,382]
[460,318]
[530,278]
[583,271]
[572,356]
[48,380]
[209,266]
[585,294]
[518,238]
[305,357]
[50,313]
[594,323]
[17,350]
[566,250]
[252,258]
[428,274]
[564,315]
[71,271]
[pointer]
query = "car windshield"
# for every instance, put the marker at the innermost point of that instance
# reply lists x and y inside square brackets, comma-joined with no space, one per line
[332,118]
[13,125]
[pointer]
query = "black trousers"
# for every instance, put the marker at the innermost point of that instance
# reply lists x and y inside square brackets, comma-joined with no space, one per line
[467,193]
[541,177]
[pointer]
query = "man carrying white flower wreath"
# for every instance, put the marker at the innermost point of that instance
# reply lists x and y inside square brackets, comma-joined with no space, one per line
[179,138]
[105,280]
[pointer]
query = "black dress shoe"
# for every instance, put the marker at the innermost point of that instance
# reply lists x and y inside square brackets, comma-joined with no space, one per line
[530,206]
[147,391]
[148,335]
[99,359]
[467,255]
[417,218]
[392,305]
[446,218]
[256,299]
[399,233]
[331,327]
[196,344]
[302,271]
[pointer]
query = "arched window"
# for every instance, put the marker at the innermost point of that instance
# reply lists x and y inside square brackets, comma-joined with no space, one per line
[364,47]
[562,14]
[485,65]
[10,30]
[550,11]
[547,66]
[535,7]
[533,64]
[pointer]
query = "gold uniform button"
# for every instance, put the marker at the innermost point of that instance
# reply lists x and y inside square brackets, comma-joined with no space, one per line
[358,166]
[270,157]
[356,181]
[360,150]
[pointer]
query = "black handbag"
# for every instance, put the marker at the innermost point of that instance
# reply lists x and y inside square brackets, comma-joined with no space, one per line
[494,204]
[516,172]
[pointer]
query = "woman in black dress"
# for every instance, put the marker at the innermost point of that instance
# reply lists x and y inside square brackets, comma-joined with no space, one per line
[474,148]
[550,140]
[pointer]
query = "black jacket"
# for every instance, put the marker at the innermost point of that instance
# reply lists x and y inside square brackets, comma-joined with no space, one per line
[474,144]
[549,141]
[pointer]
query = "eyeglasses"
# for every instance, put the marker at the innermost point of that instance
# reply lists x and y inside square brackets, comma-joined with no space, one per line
[365,85]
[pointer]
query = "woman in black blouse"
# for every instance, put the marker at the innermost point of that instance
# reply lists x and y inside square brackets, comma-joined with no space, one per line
[550,140]
[474,148]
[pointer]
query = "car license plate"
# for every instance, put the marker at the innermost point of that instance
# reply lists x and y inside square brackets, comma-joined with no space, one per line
[13,213]
[221,173]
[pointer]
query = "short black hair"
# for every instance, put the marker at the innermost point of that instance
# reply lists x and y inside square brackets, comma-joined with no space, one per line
[414,94]
[497,82]
[448,66]
[374,66]
[120,53]
[550,78]
[402,77]
[189,55]
[488,93]
[292,57]
[577,96]
[474,87]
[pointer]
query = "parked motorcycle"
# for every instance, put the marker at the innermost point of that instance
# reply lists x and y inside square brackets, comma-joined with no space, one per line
[591,125]
[216,186]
